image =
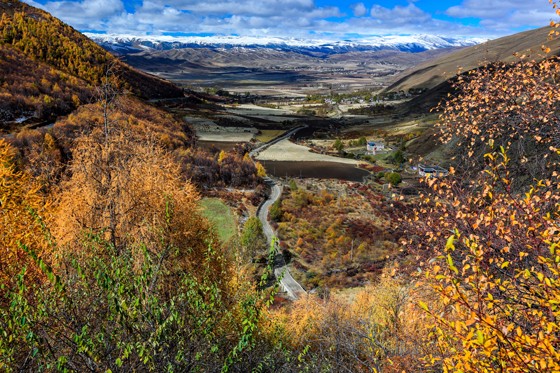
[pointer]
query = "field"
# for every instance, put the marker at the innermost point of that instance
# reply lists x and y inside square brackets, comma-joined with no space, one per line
[286,150]
[317,170]
[267,135]
[221,216]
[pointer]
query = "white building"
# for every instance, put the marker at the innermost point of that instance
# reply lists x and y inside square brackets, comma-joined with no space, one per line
[432,171]
[374,147]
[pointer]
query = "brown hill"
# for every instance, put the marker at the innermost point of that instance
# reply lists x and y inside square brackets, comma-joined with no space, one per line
[431,74]
[47,68]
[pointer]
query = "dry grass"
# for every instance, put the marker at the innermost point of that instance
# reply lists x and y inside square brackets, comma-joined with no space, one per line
[434,72]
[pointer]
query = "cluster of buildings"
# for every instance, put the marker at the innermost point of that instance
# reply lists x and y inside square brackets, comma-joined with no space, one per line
[376,147]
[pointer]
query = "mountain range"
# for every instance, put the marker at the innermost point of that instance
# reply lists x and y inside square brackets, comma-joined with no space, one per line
[436,76]
[126,44]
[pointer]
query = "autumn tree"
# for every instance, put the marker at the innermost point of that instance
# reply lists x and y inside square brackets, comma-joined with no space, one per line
[488,233]
[513,105]
[21,207]
[138,282]
[497,273]
[381,330]
[253,239]
[261,171]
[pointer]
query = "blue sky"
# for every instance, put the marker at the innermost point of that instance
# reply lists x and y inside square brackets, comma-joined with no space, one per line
[332,19]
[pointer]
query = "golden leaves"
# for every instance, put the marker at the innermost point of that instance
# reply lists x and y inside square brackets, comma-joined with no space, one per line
[20,202]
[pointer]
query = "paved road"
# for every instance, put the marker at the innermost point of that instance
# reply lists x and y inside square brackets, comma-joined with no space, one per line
[262,214]
[292,288]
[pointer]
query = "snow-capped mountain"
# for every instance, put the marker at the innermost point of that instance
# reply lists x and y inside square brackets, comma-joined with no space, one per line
[404,43]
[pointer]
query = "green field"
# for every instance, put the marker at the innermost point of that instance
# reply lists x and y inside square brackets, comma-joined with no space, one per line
[221,216]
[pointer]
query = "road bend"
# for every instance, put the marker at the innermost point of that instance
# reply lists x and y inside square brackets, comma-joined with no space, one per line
[292,288]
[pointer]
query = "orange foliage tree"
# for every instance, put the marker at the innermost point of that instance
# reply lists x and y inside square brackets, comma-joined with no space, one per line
[381,330]
[20,202]
[138,282]
[130,191]
[490,231]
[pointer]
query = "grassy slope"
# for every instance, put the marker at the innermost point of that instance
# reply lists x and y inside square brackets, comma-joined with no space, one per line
[436,71]
[220,214]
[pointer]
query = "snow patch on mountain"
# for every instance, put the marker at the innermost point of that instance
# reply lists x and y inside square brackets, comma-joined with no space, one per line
[405,43]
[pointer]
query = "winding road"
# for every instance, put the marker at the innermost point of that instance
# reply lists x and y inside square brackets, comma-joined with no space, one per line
[292,288]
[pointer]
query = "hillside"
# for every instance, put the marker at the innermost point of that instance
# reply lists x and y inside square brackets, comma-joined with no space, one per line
[48,68]
[33,91]
[432,73]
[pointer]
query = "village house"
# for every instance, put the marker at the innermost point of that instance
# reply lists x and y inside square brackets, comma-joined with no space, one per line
[374,147]
[431,171]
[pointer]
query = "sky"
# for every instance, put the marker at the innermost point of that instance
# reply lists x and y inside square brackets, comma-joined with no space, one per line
[307,19]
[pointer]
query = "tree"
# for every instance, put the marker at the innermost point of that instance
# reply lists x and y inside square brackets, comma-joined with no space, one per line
[261,171]
[293,185]
[498,272]
[338,145]
[21,204]
[130,191]
[394,178]
[513,105]
[398,157]
[275,212]
[253,239]
[488,232]
[222,156]
[381,331]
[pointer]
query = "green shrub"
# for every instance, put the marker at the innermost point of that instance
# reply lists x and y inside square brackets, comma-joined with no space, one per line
[275,213]
[394,178]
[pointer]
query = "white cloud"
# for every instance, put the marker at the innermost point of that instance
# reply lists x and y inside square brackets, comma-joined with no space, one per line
[409,14]
[240,7]
[358,9]
[85,14]
[250,17]
[300,18]
[502,14]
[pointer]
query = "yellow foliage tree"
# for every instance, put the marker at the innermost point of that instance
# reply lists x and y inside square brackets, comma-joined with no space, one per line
[499,277]
[261,171]
[20,202]
[130,192]
[490,232]
[222,156]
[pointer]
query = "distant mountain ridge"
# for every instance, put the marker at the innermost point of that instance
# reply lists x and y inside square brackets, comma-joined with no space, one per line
[405,43]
